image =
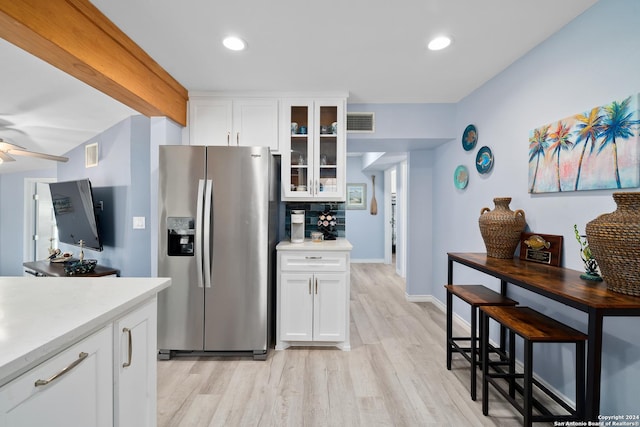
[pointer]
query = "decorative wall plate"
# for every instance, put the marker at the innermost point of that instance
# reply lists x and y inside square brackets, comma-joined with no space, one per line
[461,177]
[469,137]
[484,160]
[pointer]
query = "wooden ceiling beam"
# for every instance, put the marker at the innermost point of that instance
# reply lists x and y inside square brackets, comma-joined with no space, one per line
[74,36]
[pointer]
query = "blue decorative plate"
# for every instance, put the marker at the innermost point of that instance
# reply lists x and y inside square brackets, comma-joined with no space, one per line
[461,177]
[484,160]
[469,138]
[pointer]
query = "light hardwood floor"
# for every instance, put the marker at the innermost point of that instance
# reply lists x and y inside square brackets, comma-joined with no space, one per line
[394,375]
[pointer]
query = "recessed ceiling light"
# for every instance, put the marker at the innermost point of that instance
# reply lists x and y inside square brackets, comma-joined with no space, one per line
[234,43]
[439,43]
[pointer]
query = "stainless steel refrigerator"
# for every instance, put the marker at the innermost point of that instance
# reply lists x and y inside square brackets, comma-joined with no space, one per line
[218,209]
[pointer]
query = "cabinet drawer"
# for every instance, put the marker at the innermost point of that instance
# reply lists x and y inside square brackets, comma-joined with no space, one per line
[313,261]
[78,389]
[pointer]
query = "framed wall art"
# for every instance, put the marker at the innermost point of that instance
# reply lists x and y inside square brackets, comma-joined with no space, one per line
[356,196]
[592,150]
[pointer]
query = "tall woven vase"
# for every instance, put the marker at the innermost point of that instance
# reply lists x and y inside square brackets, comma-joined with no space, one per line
[614,239]
[501,228]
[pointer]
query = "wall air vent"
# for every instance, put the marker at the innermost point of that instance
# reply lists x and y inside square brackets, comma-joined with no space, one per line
[91,155]
[361,122]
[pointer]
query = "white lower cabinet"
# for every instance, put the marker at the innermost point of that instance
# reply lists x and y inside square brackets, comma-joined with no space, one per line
[73,388]
[313,307]
[106,379]
[135,378]
[313,299]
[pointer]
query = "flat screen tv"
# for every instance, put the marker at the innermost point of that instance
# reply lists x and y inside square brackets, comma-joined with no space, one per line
[75,213]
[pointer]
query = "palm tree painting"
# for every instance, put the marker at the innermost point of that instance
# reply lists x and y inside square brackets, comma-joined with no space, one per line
[559,141]
[538,143]
[597,149]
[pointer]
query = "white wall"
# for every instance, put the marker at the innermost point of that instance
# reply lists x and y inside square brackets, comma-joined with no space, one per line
[592,61]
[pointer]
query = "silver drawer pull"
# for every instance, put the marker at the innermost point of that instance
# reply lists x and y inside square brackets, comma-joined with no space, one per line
[313,257]
[75,363]
[128,331]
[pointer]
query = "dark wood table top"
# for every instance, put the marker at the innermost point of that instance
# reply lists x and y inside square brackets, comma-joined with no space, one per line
[558,283]
[56,269]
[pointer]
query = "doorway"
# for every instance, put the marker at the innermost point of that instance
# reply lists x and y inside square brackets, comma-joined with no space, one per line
[395,250]
[40,232]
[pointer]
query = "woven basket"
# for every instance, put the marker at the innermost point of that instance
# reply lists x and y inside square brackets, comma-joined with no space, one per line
[614,239]
[501,228]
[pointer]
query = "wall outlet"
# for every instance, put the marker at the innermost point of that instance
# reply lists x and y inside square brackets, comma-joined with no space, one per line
[138,223]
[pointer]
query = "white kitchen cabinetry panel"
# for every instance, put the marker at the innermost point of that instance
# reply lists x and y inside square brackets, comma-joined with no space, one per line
[135,350]
[313,296]
[233,121]
[210,121]
[329,307]
[79,391]
[314,261]
[313,147]
[255,123]
[296,302]
[313,307]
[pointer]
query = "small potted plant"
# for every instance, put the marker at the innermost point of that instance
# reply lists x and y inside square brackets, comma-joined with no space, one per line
[590,264]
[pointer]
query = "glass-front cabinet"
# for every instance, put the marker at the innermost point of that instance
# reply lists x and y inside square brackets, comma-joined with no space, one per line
[313,149]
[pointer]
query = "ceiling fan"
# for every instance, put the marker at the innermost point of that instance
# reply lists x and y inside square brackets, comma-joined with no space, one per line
[7,150]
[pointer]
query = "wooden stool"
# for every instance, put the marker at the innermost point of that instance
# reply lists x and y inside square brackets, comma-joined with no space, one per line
[476,296]
[533,327]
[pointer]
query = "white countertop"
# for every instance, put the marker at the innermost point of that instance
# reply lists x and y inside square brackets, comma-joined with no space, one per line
[40,316]
[340,244]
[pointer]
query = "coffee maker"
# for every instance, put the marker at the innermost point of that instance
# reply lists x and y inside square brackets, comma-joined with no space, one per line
[297,226]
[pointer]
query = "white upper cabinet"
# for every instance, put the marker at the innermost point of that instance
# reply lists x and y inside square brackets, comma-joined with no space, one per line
[313,147]
[245,122]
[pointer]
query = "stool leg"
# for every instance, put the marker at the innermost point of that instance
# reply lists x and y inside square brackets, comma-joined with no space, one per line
[580,380]
[528,382]
[512,363]
[449,327]
[474,350]
[484,344]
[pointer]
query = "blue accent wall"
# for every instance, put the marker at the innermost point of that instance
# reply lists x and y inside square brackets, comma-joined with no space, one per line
[121,181]
[365,231]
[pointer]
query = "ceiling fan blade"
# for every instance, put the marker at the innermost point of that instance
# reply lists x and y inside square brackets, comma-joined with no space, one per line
[4,157]
[38,155]
[6,145]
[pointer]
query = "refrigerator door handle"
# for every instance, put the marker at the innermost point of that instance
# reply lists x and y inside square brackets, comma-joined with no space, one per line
[198,236]
[208,200]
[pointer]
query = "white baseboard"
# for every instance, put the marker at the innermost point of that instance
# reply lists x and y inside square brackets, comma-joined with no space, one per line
[418,298]
[368,261]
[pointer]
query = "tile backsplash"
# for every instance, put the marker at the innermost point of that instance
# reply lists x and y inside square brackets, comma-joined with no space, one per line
[312,211]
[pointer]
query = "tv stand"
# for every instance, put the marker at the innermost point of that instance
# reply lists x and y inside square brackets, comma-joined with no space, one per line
[56,269]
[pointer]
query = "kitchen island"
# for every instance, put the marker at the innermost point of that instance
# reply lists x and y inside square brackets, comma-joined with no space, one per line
[90,341]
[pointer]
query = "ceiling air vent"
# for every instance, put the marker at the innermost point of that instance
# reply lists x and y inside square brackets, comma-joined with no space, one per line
[361,122]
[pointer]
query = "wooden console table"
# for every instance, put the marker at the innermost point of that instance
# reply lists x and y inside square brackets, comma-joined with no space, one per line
[56,269]
[565,286]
